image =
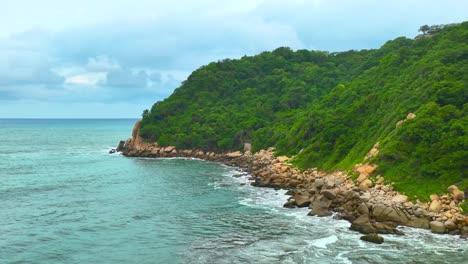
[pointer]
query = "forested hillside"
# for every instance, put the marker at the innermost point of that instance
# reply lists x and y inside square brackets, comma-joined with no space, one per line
[329,109]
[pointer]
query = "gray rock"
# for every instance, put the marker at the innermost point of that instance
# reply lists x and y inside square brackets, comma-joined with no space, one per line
[302,200]
[373,238]
[121,145]
[320,206]
[437,227]
[418,222]
[419,212]
[363,209]
[329,194]
[464,232]
[383,213]
[363,225]
[350,194]
[450,225]
[319,183]
[365,197]
[387,228]
[290,204]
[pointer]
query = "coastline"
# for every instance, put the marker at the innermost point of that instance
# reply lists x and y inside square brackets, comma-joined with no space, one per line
[370,207]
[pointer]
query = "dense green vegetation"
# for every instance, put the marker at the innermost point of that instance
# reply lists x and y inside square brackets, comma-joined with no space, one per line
[329,109]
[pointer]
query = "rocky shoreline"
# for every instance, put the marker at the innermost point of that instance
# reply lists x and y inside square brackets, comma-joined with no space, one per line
[371,206]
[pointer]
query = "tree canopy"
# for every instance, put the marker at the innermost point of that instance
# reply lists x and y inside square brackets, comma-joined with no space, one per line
[329,109]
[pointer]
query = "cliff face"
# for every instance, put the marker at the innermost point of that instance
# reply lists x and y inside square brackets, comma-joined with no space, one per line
[328,110]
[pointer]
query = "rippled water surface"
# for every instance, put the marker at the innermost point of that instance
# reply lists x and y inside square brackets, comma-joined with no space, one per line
[64,199]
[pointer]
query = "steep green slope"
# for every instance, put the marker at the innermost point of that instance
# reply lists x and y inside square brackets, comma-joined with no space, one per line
[329,109]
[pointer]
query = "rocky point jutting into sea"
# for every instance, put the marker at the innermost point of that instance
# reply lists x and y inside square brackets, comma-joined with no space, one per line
[371,206]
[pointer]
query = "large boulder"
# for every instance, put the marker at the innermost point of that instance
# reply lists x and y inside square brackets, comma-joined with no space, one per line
[319,183]
[410,116]
[362,224]
[235,154]
[386,228]
[450,225]
[383,213]
[373,238]
[365,185]
[435,206]
[302,200]
[418,222]
[365,169]
[169,149]
[282,158]
[365,197]
[329,194]
[363,209]
[400,199]
[362,177]
[320,206]
[290,204]
[456,193]
[437,227]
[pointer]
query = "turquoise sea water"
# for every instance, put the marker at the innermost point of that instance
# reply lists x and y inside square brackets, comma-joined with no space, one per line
[64,199]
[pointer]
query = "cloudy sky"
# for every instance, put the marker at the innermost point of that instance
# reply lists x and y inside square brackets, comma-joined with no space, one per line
[114,58]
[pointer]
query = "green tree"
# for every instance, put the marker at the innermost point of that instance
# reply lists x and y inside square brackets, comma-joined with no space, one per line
[424,29]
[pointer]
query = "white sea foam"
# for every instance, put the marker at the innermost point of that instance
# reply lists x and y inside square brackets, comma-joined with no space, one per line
[324,242]
[340,258]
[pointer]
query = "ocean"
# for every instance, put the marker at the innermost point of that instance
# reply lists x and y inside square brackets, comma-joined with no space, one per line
[65,199]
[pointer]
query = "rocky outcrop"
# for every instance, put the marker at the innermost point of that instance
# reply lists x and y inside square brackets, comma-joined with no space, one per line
[369,204]
[121,145]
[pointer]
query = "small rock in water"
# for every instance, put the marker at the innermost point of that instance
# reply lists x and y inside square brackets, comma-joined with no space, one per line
[373,238]
[464,232]
[112,151]
[290,204]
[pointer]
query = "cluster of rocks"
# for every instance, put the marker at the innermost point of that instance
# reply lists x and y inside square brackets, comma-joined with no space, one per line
[408,117]
[371,206]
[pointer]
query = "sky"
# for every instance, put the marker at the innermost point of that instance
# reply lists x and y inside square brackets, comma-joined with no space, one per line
[115,58]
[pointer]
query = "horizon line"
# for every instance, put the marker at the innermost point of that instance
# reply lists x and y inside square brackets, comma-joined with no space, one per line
[70,117]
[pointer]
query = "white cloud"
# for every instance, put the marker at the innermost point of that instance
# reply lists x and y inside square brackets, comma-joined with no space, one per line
[102,63]
[89,79]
